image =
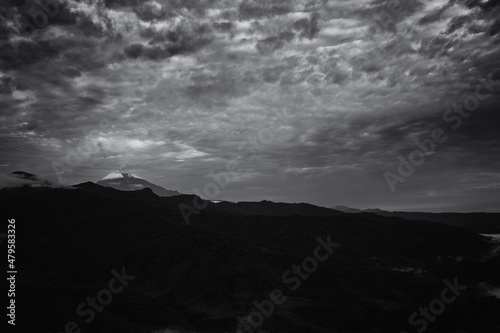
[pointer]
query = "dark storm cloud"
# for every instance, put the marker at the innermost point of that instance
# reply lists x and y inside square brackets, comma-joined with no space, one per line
[185,38]
[495,28]
[457,23]
[434,16]
[176,89]
[223,26]
[25,12]
[385,15]
[263,9]
[27,53]
[489,11]
[474,136]
[271,44]
[486,6]
[164,9]
[92,29]
[308,27]
[208,88]
[122,3]
[6,84]
[135,51]
[148,12]
[33,46]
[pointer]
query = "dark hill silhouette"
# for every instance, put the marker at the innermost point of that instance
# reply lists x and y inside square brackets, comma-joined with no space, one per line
[145,194]
[270,208]
[205,275]
[488,223]
[265,207]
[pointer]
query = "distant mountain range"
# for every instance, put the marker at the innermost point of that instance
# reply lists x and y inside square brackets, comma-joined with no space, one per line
[128,186]
[206,276]
[346,209]
[479,222]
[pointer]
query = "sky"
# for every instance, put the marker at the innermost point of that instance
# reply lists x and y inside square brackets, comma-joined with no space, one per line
[294,101]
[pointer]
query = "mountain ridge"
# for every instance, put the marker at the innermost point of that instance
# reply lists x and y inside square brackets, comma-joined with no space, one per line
[128,186]
[206,275]
[488,223]
[132,182]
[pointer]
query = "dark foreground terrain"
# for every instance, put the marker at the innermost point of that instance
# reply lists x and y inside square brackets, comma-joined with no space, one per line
[203,276]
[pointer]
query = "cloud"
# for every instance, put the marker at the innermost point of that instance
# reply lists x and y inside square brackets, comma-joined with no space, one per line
[263,9]
[182,85]
[14,180]
[271,44]
[435,15]
[27,53]
[489,290]
[308,27]
[495,28]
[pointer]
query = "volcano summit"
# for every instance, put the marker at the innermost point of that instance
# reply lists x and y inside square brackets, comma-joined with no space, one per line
[130,182]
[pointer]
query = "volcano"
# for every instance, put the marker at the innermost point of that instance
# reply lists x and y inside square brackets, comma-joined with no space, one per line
[131,182]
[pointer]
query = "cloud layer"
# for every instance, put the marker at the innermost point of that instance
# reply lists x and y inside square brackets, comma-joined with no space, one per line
[171,90]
